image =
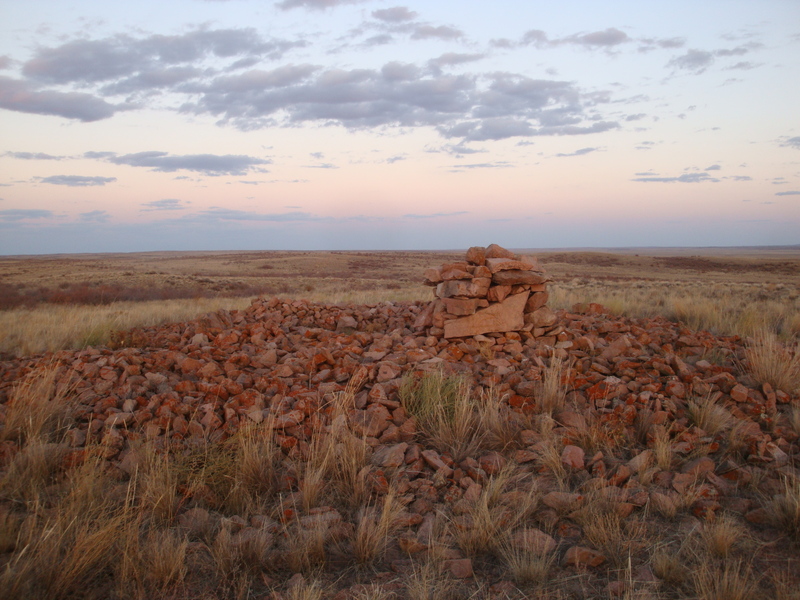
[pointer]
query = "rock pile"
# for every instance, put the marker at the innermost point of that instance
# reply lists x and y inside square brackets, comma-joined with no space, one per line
[493,291]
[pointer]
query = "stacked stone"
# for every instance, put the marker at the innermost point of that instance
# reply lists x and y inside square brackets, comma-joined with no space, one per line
[492,291]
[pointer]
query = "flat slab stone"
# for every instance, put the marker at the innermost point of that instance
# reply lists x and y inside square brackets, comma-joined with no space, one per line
[497,318]
[517,277]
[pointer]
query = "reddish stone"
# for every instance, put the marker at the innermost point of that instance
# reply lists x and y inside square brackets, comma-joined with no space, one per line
[500,317]
[459,568]
[572,457]
[581,556]
[533,540]
[495,251]
[476,255]
[739,393]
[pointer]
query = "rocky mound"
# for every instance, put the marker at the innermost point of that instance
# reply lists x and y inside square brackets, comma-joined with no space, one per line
[652,421]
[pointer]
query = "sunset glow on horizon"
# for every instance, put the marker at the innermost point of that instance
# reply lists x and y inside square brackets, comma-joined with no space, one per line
[366,124]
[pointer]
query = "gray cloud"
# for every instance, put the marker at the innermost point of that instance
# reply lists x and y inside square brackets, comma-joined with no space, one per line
[713,168]
[788,193]
[396,14]
[742,178]
[164,204]
[77,180]
[648,44]
[95,216]
[33,156]
[699,60]
[89,61]
[315,4]
[442,32]
[792,142]
[685,178]
[227,214]
[606,38]
[393,159]
[743,66]
[579,152]
[497,165]
[208,164]
[21,214]
[453,58]
[321,166]
[693,60]
[5,62]
[436,215]
[20,96]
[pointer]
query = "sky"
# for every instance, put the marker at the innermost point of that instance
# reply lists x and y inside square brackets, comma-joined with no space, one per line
[372,124]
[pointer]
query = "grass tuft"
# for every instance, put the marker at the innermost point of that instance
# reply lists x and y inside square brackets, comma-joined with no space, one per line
[769,361]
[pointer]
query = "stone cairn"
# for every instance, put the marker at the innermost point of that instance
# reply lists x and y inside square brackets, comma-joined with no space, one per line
[492,291]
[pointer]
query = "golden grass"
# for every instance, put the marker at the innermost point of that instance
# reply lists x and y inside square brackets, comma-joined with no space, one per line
[731,581]
[492,515]
[374,528]
[527,565]
[444,410]
[770,361]
[48,328]
[553,392]
[706,414]
[725,308]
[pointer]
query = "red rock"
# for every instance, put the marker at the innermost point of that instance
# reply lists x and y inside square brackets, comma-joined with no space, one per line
[581,556]
[534,540]
[461,306]
[390,456]
[572,457]
[459,568]
[536,301]
[498,293]
[500,317]
[475,288]
[507,264]
[541,317]
[435,461]
[517,277]
[699,467]
[495,251]
[562,501]
[492,463]
[739,393]
[476,255]
[370,422]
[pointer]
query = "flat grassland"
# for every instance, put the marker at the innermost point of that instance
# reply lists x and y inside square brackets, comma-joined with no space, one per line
[43,299]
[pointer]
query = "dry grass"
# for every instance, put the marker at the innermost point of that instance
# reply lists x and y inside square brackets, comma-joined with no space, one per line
[706,414]
[527,565]
[616,537]
[427,582]
[731,581]
[374,528]
[724,307]
[770,361]
[553,392]
[488,519]
[48,327]
[81,534]
[785,508]
[444,411]
[303,548]
[723,535]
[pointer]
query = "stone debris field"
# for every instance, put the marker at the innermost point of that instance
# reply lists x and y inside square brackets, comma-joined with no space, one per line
[652,429]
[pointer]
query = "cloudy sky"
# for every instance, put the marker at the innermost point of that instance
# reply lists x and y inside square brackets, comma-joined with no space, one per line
[373,124]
